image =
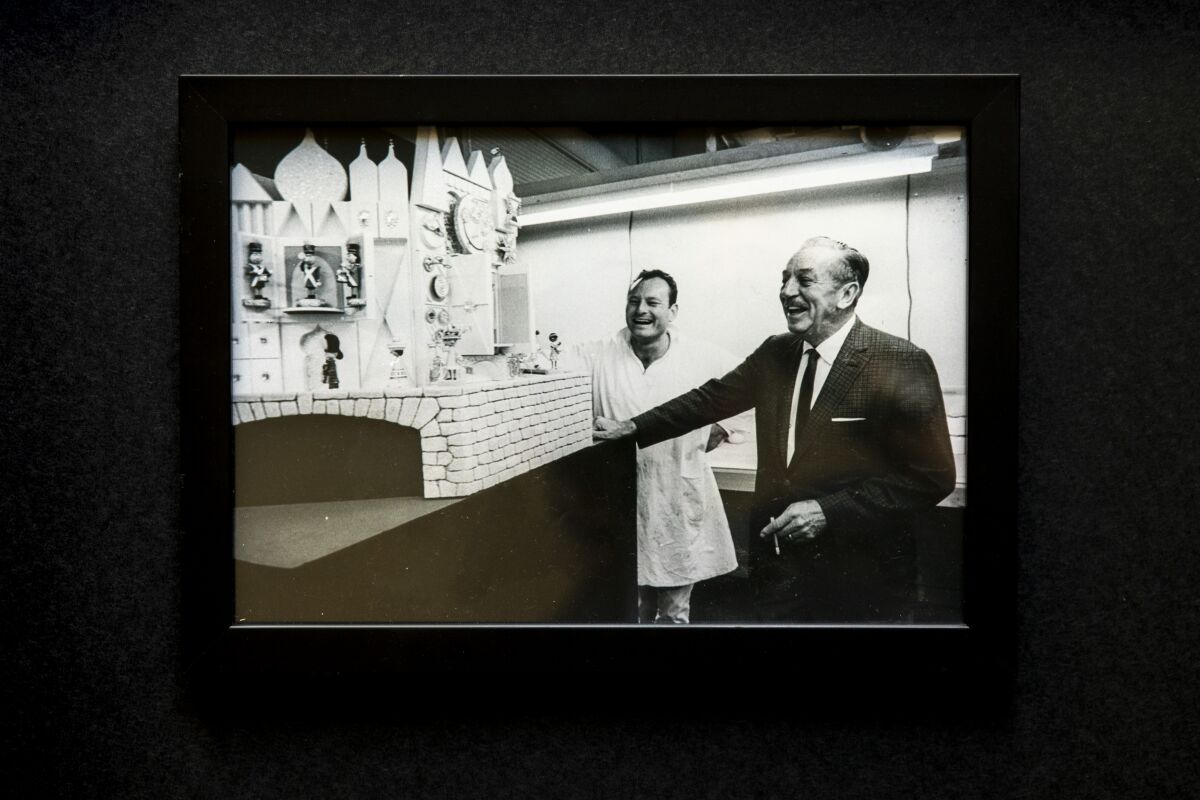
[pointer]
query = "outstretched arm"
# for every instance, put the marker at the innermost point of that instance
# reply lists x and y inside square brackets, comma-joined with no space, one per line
[713,401]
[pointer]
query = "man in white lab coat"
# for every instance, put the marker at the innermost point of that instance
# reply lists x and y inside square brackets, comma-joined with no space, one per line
[683,535]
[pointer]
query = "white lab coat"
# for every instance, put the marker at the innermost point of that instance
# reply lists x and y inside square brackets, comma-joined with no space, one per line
[683,536]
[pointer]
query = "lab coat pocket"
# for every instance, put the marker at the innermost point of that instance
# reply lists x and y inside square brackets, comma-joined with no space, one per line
[691,455]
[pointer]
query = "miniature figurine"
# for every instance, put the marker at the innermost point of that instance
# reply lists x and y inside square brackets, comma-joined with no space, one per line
[512,209]
[307,262]
[545,357]
[333,351]
[515,362]
[309,265]
[506,248]
[449,337]
[258,276]
[555,350]
[348,274]
[397,374]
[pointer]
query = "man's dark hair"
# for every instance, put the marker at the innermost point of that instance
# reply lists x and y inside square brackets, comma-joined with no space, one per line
[854,267]
[673,294]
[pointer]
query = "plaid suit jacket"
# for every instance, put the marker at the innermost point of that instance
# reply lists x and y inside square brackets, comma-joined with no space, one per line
[875,447]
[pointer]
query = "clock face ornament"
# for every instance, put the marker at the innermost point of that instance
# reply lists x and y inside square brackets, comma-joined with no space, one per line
[472,222]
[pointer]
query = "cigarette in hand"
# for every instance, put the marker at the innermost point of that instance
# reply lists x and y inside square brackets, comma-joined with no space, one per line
[775,536]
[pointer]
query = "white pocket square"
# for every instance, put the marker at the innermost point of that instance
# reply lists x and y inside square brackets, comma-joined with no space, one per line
[848,419]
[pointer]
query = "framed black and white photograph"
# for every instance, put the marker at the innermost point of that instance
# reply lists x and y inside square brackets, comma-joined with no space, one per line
[535,373]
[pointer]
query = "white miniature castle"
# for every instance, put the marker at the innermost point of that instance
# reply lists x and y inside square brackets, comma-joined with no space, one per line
[322,251]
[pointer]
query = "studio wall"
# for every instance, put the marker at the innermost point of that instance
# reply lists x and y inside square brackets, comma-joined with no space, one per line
[727,257]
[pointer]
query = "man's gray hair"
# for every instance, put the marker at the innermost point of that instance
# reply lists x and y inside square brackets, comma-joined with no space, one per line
[854,265]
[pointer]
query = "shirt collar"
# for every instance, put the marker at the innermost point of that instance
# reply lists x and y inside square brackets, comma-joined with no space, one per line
[828,350]
[623,335]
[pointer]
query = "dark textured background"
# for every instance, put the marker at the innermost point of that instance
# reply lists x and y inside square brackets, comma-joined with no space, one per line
[1105,700]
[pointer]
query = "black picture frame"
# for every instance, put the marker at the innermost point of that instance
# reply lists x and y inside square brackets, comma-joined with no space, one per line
[979,653]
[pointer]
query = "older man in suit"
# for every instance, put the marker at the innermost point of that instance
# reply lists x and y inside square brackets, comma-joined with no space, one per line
[852,442]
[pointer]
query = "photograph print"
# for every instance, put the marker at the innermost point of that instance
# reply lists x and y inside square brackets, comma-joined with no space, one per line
[603,375]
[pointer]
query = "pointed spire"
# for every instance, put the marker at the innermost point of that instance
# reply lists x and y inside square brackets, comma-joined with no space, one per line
[503,197]
[429,184]
[393,195]
[393,177]
[452,158]
[477,170]
[244,187]
[364,177]
[501,177]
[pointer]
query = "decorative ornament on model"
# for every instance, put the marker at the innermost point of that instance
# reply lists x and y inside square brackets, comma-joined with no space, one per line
[397,374]
[258,275]
[307,263]
[348,273]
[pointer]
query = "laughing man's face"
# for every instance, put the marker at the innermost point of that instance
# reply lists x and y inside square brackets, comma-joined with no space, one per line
[814,301]
[648,310]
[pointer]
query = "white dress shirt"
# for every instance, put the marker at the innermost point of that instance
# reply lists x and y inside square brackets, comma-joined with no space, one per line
[827,351]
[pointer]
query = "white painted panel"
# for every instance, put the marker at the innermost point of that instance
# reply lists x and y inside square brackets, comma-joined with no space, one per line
[262,339]
[470,302]
[266,375]
[239,346]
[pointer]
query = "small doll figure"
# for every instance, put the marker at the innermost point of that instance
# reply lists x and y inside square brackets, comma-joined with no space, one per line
[555,349]
[347,274]
[506,248]
[452,361]
[308,264]
[448,337]
[397,374]
[333,351]
[512,209]
[258,274]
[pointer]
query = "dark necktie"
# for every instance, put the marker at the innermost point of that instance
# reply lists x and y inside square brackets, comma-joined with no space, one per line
[806,393]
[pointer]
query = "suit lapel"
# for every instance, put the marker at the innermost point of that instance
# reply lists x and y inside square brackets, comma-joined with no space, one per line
[846,367]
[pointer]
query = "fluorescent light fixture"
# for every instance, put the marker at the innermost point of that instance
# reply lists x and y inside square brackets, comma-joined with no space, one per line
[769,180]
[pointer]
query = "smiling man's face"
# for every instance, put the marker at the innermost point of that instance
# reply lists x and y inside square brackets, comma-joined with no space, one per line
[815,301]
[648,310]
